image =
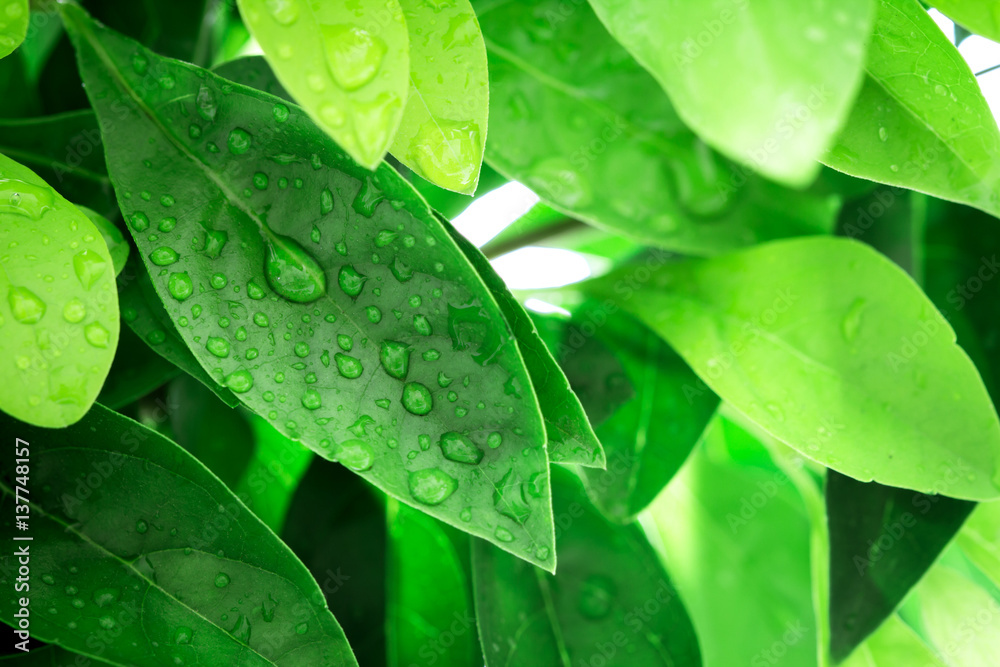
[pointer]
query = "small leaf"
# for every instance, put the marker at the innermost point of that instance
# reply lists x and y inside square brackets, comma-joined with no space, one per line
[795,68]
[58,304]
[979,16]
[611,598]
[882,541]
[329,299]
[443,130]
[598,139]
[13,25]
[570,436]
[833,350]
[166,570]
[921,121]
[426,555]
[347,65]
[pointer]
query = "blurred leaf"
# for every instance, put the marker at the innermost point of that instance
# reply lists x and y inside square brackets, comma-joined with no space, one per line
[60,305]
[894,643]
[779,331]
[959,618]
[118,247]
[451,204]
[21,99]
[980,539]
[610,601]
[14,25]
[980,16]
[920,121]
[440,628]
[595,136]
[795,69]
[347,65]
[135,372]
[158,571]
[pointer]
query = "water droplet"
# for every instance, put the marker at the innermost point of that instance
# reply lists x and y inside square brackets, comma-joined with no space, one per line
[293,273]
[325,201]
[280,113]
[241,629]
[106,622]
[448,152]
[166,201]
[141,527]
[182,635]
[96,335]
[205,103]
[104,597]
[355,454]
[218,347]
[431,486]
[215,241]
[345,342]
[180,286]
[221,580]
[156,336]
[541,553]
[353,55]
[239,141]
[311,400]
[395,358]
[48,579]
[597,594]
[163,256]
[401,270]
[417,399]
[373,314]
[852,320]
[883,134]
[301,628]
[349,367]
[25,199]
[139,64]
[88,267]
[74,311]
[239,381]
[459,448]
[368,198]
[351,281]
[509,499]
[167,225]
[494,440]
[301,350]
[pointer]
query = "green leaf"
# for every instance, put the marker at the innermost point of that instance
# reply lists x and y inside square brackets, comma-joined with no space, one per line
[143,312]
[135,372]
[328,298]
[980,539]
[66,151]
[426,555]
[272,474]
[649,432]
[166,572]
[959,618]
[833,350]
[451,204]
[347,65]
[920,121]
[118,247]
[58,304]
[336,525]
[46,656]
[442,133]
[567,430]
[13,25]
[610,602]
[737,540]
[253,71]
[795,69]
[882,541]
[894,643]
[596,137]
[979,16]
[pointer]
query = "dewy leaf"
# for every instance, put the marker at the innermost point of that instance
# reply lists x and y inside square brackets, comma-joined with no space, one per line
[795,69]
[443,131]
[894,643]
[118,247]
[597,138]
[611,603]
[253,71]
[66,151]
[979,16]
[736,537]
[882,541]
[649,433]
[168,572]
[58,304]
[921,121]
[143,312]
[328,298]
[14,17]
[348,65]
[570,436]
[833,350]
[424,556]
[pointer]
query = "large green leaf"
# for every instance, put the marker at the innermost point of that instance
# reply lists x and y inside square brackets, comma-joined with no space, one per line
[980,16]
[151,555]
[894,643]
[14,19]
[920,121]
[597,138]
[795,69]
[567,429]
[347,64]
[737,539]
[66,151]
[832,349]
[443,130]
[610,604]
[58,304]
[882,541]
[328,298]
[438,628]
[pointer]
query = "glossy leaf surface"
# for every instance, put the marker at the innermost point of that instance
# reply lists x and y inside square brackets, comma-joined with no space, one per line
[58,303]
[314,294]
[347,64]
[171,577]
[917,411]
[14,18]
[795,70]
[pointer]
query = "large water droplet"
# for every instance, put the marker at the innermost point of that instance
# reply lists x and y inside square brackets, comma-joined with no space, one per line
[205,102]
[311,400]
[88,267]
[239,381]
[96,335]
[163,256]
[353,55]
[182,635]
[74,311]
[104,597]
[459,448]
[219,347]
[355,454]
[351,281]
[25,305]
[348,366]
[180,286]
[23,198]
[852,320]
[292,272]
[503,535]
[284,12]
[417,398]
[448,152]
[239,141]
[431,486]
[395,358]
[368,198]
[241,629]
[222,580]
[509,499]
